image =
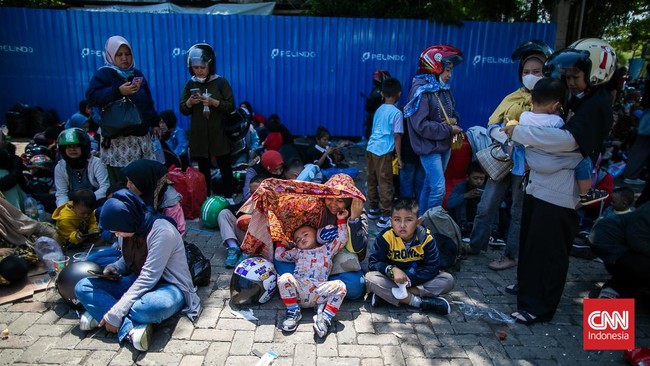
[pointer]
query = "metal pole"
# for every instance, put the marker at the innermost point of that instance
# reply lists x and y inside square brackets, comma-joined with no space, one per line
[582,16]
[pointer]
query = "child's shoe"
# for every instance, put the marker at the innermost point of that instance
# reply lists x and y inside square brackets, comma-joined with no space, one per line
[376,301]
[232,257]
[592,196]
[140,337]
[436,304]
[291,319]
[383,222]
[87,322]
[322,324]
[374,213]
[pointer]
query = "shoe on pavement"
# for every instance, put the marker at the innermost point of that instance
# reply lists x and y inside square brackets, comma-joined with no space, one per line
[496,242]
[501,263]
[468,250]
[231,257]
[634,182]
[322,324]
[436,304]
[376,301]
[374,213]
[87,322]
[383,222]
[291,319]
[140,337]
[593,196]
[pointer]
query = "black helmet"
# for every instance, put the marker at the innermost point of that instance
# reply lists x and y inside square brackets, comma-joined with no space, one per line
[33,149]
[530,48]
[13,269]
[69,277]
[239,122]
[201,53]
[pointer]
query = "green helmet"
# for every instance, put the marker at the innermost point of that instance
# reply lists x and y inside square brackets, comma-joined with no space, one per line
[210,211]
[73,136]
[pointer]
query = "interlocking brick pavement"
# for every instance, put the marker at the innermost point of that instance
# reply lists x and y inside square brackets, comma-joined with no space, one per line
[43,330]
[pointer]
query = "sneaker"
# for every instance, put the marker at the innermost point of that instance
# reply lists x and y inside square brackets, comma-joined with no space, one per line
[608,293]
[376,301]
[291,319]
[322,324]
[592,196]
[501,263]
[436,304]
[496,242]
[635,182]
[374,213]
[231,257]
[87,322]
[581,245]
[140,337]
[383,222]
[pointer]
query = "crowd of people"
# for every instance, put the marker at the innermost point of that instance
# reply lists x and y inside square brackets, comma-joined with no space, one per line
[303,223]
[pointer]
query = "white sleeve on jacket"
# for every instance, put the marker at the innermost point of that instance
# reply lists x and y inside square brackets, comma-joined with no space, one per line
[100,175]
[61,183]
[551,140]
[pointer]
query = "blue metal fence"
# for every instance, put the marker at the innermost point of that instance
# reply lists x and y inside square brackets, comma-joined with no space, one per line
[308,70]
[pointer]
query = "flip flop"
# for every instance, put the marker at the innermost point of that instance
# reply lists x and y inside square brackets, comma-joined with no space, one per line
[512,289]
[523,317]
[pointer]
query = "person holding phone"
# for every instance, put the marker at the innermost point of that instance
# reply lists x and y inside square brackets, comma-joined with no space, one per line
[117,79]
[207,98]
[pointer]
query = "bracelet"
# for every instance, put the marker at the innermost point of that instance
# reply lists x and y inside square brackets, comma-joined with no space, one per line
[389,271]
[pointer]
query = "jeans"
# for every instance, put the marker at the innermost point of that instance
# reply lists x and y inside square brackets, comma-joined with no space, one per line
[488,208]
[411,180]
[104,256]
[433,190]
[354,281]
[98,296]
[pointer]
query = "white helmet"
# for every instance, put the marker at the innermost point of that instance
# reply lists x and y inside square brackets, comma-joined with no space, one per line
[602,57]
[254,279]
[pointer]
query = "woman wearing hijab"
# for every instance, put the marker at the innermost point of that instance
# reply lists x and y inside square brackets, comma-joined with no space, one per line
[154,281]
[117,79]
[532,55]
[433,120]
[148,179]
[207,98]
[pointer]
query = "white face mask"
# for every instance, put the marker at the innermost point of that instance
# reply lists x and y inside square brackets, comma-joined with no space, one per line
[200,80]
[530,80]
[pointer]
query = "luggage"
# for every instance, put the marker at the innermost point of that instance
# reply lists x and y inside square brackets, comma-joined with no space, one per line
[191,185]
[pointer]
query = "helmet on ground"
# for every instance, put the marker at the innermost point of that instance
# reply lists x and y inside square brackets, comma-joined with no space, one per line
[13,269]
[35,149]
[70,276]
[210,210]
[40,161]
[201,54]
[531,49]
[254,280]
[434,59]
[379,76]
[593,56]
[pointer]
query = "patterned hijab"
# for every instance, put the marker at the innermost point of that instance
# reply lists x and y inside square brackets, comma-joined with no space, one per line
[110,49]
[432,86]
[279,207]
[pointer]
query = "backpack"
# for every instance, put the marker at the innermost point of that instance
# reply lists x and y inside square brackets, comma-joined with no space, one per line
[447,235]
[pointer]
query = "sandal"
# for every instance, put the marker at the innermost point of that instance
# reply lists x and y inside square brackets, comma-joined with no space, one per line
[512,289]
[523,317]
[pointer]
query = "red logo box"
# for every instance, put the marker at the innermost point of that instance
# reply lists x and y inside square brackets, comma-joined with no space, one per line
[608,324]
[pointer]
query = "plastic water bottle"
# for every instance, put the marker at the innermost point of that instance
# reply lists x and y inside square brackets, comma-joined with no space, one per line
[31,207]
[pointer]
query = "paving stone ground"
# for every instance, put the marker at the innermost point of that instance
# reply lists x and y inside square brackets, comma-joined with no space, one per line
[43,330]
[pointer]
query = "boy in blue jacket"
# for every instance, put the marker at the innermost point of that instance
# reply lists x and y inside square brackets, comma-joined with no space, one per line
[404,264]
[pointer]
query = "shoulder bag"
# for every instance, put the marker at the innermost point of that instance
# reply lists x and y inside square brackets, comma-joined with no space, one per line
[496,162]
[119,117]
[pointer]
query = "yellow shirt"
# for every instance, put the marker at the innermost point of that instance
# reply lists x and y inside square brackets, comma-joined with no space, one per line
[68,223]
[512,106]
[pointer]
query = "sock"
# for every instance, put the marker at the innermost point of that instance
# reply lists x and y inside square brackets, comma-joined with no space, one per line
[330,311]
[293,308]
[415,301]
[232,243]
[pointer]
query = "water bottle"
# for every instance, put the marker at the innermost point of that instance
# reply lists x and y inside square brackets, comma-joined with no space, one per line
[31,207]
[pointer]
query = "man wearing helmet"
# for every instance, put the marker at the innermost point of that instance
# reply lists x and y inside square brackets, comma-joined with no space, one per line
[208,100]
[549,219]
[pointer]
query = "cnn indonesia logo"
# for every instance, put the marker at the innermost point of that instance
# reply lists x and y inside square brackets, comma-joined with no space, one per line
[608,324]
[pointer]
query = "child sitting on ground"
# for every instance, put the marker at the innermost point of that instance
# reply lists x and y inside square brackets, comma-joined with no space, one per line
[75,220]
[465,196]
[547,97]
[404,264]
[622,199]
[308,285]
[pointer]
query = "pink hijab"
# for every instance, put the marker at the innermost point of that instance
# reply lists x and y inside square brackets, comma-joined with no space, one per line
[110,49]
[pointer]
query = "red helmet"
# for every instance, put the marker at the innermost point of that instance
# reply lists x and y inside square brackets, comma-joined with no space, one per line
[434,59]
[379,76]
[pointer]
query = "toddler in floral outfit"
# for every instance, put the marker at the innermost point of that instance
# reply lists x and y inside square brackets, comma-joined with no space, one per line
[308,285]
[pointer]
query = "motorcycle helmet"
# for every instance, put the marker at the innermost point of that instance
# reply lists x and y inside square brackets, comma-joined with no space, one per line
[239,122]
[201,53]
[379,76]
[41,161]
[13,268]
[254,280]
[593,56]
[434,59]
[74,136]
[35,149]
[532,48]
[70,276]
[210,210]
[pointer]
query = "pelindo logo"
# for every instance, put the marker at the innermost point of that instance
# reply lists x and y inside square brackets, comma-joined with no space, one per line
[381,57]
[16,49]
[178,52]
[478,59]
[276,52]
[86,52]
[608,324]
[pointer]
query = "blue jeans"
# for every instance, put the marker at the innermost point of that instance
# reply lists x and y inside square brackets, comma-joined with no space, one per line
[355,283]
[583,169]
[488,208]
[411,180]
[105,256]
[98,295]
[433,190]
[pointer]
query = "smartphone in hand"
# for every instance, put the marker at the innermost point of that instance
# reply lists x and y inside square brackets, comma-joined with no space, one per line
[113,277]
[137,81]
[196,92]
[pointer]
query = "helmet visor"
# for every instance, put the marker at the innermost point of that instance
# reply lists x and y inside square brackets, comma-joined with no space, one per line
[452,59]
[560,62]
[531,47]
[198,57]
[243,290]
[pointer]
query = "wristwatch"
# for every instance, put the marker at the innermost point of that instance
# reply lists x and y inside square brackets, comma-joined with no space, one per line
[389,271]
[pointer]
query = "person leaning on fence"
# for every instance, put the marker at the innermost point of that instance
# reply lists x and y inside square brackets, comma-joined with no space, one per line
[406,255]
[111,83]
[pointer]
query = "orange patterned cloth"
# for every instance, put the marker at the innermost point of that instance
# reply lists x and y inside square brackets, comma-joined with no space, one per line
[279,207]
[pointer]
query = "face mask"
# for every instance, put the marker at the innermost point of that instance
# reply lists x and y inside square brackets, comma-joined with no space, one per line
[530,80]
[200,80]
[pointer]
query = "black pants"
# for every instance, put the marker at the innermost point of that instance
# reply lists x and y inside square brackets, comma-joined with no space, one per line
[226,173]
[547,233]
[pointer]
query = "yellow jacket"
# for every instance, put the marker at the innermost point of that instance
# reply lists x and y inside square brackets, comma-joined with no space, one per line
[512,106]
[68,223]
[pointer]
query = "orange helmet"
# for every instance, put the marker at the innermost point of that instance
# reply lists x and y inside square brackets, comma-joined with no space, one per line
[434,59]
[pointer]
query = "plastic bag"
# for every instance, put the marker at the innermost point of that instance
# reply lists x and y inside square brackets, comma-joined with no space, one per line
[191,185]
[199,265]
[44,246]
[472,311]
[638,356]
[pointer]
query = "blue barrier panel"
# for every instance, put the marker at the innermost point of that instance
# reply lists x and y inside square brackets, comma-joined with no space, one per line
[308,70]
